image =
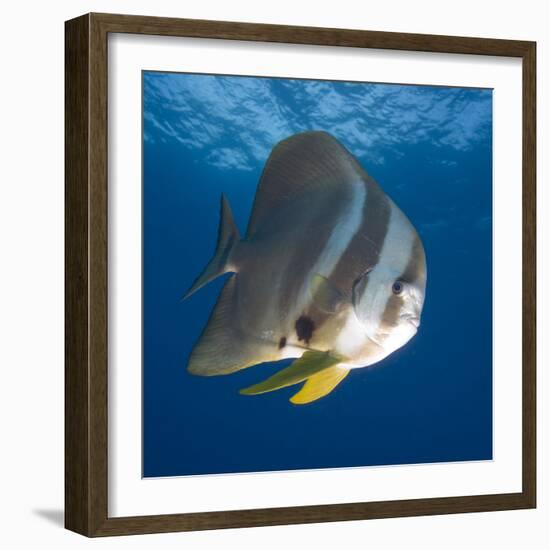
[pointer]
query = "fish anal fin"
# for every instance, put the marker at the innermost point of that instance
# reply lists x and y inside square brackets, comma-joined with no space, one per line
[325,295]
[309,364]
[223,347]
[319,385]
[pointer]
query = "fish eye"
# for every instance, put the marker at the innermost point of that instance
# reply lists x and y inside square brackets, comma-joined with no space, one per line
[397,288]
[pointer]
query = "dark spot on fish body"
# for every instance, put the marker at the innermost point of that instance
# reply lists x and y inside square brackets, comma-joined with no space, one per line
[304,328]
[282,342]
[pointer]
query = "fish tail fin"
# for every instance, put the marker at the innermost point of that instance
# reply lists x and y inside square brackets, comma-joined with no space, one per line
[228,237]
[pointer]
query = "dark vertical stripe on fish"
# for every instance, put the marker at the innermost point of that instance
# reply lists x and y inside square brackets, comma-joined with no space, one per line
[364,250]
[391,313]
[309,246]
[416,268]
[411,273]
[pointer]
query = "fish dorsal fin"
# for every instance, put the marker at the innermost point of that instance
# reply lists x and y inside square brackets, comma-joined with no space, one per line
[303,163]
[309,364]
[319,385]
[224,347]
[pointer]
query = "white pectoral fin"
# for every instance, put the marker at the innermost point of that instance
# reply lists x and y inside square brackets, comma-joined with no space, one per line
[325,295]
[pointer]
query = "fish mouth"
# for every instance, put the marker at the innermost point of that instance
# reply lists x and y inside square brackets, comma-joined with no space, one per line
[414,321]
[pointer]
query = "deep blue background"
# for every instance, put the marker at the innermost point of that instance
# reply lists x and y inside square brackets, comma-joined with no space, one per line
[430,149]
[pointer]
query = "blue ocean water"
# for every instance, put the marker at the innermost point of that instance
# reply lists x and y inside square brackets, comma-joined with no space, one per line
[430,148]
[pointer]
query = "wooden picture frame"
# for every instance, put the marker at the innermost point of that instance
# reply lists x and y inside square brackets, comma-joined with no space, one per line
[86,360]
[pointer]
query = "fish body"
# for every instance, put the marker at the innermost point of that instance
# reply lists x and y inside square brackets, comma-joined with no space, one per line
[330,272]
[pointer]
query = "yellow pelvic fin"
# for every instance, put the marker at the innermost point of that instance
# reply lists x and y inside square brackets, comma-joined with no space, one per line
[309,364]
[319,385]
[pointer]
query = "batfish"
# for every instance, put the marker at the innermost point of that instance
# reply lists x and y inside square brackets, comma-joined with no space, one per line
[330,273]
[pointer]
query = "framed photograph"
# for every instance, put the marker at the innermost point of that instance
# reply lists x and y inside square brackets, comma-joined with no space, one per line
[300,275]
